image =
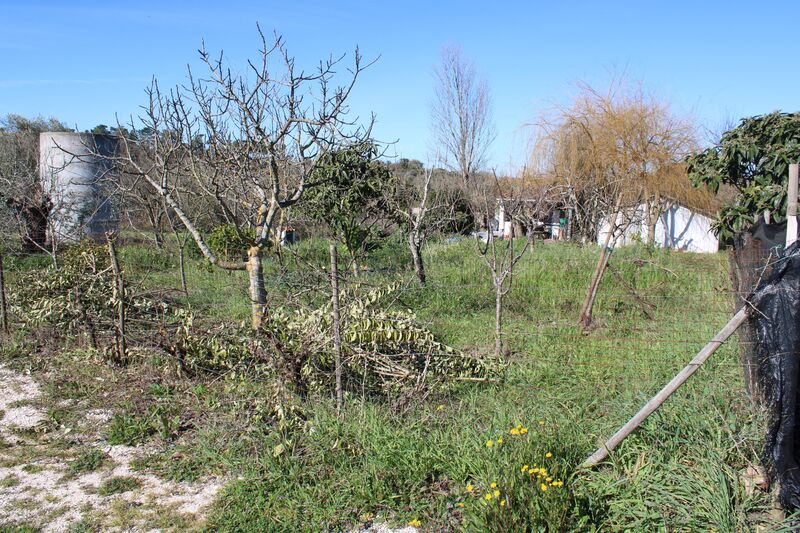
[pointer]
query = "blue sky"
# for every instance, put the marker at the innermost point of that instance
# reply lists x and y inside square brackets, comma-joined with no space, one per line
[83,62]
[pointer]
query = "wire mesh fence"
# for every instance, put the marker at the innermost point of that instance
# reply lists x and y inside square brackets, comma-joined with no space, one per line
[654,310]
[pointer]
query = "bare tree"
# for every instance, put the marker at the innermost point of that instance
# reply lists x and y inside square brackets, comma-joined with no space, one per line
[181,240]
[143,209]
[461,114]
[505,200]
[247,143]
[617,157]
[416,218]
[24,203]
[420,208]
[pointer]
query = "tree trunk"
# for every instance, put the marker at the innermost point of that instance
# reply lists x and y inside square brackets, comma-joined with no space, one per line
[750,261]
[416,255]
[585,318]
[155,223]
[258,294]
[34,213]
[353,260]
[182,265]
[498,320]
[653,213]
[159,239]
[119,300]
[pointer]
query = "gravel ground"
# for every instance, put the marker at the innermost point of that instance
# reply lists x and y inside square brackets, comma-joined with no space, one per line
[36,488]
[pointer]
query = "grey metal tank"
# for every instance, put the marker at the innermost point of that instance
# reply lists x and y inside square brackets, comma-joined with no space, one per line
[78,174]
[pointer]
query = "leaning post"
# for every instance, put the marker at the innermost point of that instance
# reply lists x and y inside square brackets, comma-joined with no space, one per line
[679,379]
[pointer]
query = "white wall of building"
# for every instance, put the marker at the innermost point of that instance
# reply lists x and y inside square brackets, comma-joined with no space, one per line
[678,227]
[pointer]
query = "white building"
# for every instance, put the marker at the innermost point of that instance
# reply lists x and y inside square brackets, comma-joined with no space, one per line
[678,227]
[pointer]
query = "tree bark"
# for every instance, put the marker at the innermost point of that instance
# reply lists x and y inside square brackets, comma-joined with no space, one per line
[119,298]
[588,305]
[258,294]
[416,255]
[34,213]
[585,318]
[750,261]
[182,265]
[653,213]
[498,320]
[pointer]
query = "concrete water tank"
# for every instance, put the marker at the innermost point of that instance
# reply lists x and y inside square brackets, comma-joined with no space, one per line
[81,180]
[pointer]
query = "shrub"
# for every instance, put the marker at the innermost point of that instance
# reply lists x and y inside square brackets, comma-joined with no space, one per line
[231,243]
[384,350]
[77,296]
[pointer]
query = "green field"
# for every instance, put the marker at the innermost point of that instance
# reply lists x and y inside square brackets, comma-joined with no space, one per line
[427,460]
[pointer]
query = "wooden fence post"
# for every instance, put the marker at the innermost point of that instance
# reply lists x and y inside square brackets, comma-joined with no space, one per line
[791,205]
[337,339]
[119,300]
[3,304]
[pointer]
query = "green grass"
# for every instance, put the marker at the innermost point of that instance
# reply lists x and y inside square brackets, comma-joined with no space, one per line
[679,471]
[118,485]
[129,429]
[89,461]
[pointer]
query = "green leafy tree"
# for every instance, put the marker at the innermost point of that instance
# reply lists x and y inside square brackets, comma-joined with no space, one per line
[349,196]
[753,158]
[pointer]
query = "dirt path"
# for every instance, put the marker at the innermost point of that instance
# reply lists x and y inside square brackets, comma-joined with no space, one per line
[66,478]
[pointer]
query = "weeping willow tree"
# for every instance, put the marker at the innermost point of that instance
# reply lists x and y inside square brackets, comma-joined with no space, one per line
[617,158]
[618,143]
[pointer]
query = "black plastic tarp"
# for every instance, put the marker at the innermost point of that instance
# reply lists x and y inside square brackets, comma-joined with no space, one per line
[776,346]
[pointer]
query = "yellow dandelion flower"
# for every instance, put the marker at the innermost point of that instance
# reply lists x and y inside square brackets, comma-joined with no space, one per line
[488,496]
[500,441]
[496,494]
[523,431]
[460,504]
[502,503]
[489,443]
[414,523]
[549,479]
[548,455]
[440,407]
[493,486]
[543,487]
[541,422]
[470,487]
[524,469]
[514,431]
